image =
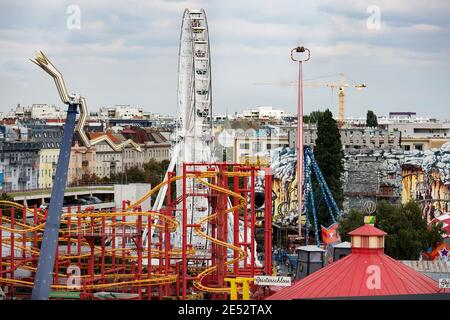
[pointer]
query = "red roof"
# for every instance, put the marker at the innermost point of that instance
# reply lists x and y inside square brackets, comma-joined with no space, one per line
[349,276]
[95,135]
[367,230]
[356,275]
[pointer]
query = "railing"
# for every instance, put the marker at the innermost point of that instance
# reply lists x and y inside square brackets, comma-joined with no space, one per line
[49,190]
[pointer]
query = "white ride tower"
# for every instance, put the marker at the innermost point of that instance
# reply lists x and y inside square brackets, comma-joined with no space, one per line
[194,133]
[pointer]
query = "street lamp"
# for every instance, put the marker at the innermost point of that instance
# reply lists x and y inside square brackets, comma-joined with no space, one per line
[300,133]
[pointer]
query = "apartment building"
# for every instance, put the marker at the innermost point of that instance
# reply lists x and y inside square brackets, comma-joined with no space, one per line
[49,141]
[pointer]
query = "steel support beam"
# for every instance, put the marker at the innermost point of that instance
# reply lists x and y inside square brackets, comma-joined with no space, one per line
[46,262]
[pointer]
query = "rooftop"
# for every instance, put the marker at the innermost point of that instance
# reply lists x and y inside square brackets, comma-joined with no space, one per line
[366,272]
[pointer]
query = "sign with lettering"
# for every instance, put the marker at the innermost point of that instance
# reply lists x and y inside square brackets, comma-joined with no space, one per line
[273,281]
[65,294]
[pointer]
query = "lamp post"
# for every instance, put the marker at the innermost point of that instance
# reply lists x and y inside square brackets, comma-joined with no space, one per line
[300,134]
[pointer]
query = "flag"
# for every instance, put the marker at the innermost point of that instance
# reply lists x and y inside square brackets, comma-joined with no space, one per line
[369,220]
[330,235]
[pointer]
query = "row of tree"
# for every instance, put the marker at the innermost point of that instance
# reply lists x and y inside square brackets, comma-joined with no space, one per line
[151,172]
[314,116]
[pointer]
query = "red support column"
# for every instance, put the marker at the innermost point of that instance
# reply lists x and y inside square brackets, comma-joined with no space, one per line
[123,247]
[214,225]
[2,247]
[221,218]
[252,222]
[103,237]
[24,235]
[184,237]
[177,270]
[12,253]
[92,244]
[149,255]
[113,242]
[166,229]
[35,246]
[236,223]
[245,220]
[79,239]
[160,256]
[139,247]
[69,230]
[268,222]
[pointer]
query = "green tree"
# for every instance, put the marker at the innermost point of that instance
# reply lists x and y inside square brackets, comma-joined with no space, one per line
[155,171]
[151,172]
[313,117]
[371,119]
[87,179]
[135,174]
[6,207]
[408,233]
[328,154]
[353,220]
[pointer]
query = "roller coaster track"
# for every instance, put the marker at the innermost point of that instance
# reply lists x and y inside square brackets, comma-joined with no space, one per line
[163,221]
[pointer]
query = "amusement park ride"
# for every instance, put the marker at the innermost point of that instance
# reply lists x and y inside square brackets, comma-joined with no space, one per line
[195,245]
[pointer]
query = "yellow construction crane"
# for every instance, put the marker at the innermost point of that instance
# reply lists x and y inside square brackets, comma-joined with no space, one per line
[340,85]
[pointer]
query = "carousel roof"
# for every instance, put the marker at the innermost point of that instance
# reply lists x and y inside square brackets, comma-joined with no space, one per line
[365,272]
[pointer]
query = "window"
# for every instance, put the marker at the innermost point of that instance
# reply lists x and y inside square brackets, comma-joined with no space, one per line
[418,147]
[245,146]
[407,147]
[256,146]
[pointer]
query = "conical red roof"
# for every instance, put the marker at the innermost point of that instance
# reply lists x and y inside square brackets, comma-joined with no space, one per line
[363,273]
[367,230]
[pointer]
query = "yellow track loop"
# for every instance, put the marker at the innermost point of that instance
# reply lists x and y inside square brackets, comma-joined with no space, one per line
[153,281]
[15,205]
[241,253]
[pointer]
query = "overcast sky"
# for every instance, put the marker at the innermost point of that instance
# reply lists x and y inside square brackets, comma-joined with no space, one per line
[125,52]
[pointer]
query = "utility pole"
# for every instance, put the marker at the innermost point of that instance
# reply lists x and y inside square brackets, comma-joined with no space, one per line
[300,134]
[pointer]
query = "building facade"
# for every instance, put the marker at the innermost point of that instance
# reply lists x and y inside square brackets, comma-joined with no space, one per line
[18,164]
[82,163]
[49,141]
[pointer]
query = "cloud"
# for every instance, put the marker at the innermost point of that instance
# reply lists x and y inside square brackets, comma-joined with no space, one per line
[131,48]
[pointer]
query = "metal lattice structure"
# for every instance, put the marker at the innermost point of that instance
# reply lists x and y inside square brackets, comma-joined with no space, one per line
[310,207]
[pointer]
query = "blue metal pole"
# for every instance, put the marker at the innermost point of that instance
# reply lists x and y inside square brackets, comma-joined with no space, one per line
[44,274]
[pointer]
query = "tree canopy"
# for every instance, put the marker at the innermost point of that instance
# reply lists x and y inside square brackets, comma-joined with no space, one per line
[328,154]
[371,119]
[6,208]
[313,117]
[408,233]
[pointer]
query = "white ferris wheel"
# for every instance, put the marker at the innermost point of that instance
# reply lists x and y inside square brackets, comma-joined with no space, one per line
[193,138]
